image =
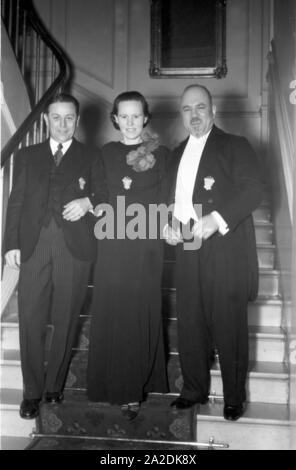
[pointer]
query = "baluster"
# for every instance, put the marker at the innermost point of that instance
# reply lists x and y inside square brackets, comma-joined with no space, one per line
[37,69]
[24,45]
[11,164]
[17,30]
[41,128]
[35,134]
[10,13]
[53,68]
[28,139]
[3,10]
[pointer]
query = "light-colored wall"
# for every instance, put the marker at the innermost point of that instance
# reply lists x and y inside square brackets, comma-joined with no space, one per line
[109,44]
[285,45]
[15,105]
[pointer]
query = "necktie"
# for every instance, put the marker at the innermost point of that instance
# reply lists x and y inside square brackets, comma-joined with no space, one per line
[58,155]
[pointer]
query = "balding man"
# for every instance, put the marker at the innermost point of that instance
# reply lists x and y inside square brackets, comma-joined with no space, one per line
[216,277]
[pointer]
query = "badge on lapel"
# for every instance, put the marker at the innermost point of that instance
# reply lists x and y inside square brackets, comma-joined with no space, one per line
[127,181]
[208,183]
[82,183]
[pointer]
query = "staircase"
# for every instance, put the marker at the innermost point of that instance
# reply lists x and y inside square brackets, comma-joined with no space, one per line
[80,424]
[43,69]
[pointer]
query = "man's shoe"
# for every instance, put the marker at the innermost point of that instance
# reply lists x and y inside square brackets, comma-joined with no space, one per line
[182,403]
[54,397]
[29,408]
[233,412]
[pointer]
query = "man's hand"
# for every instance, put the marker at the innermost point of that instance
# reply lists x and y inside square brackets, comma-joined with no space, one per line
[76,209]
[205,227]
[13,258]
[171,236]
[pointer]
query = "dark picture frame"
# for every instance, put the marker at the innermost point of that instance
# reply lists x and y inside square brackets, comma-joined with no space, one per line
[188,38]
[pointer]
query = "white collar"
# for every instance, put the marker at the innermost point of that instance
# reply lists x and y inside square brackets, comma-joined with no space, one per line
[54,145]
[198,140]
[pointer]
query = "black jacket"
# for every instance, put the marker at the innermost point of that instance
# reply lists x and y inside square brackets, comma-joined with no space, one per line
[237,191]
[81,174]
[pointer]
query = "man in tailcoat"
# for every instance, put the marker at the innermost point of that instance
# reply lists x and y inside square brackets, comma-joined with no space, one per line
[49,237]
[218,173]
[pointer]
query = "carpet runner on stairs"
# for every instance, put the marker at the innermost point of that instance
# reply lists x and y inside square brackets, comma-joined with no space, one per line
[83,424]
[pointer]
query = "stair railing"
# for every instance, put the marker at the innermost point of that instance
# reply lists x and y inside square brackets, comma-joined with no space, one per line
[284,131]
[39,58]
[46,70]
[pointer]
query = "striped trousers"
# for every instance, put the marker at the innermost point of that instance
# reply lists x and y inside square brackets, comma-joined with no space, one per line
[52,289]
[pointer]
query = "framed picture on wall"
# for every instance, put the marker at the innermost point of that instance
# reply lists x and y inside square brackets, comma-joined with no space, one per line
[188,38]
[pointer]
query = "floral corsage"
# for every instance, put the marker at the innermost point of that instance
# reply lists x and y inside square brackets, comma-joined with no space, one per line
[143,159]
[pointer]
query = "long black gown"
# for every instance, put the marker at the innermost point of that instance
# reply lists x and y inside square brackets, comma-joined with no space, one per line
[126,354]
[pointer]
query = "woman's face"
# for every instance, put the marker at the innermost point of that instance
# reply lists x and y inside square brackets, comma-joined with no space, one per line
[131,120]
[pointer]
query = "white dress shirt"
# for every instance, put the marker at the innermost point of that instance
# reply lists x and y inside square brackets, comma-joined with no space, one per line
[54,145]
[186,177]
[187,171]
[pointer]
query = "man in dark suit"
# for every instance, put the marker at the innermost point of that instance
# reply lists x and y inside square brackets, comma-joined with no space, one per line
[49,237]
[220,173]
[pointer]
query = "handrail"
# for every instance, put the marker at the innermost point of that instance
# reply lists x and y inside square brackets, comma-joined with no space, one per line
[26,30]
[63,78]
[283,126]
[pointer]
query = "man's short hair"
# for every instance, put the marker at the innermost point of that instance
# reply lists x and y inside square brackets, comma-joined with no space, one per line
[202,87]
[63,98]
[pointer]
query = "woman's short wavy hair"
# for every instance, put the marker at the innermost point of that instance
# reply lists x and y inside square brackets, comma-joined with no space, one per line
[129,96]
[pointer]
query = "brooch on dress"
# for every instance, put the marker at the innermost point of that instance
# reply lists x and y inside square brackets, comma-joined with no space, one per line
[127,181]
[142,159]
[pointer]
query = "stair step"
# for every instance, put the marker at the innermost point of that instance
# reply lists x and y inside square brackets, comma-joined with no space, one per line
[11,374]
[262,213]
[14,443]
[264,232]
[267,381]
[262,427]
[265,311]
[268,279]
[156,420]
[10,335]
[265,343]
[11,308]
[11,423]
[266,254]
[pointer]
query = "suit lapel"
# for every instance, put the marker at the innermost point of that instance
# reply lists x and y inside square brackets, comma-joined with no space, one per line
[42,161]
[177,157]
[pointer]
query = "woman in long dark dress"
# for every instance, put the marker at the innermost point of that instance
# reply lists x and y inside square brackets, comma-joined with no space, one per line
[126,354]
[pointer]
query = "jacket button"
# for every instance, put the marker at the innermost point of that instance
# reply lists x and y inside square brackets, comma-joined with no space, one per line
[210,201]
